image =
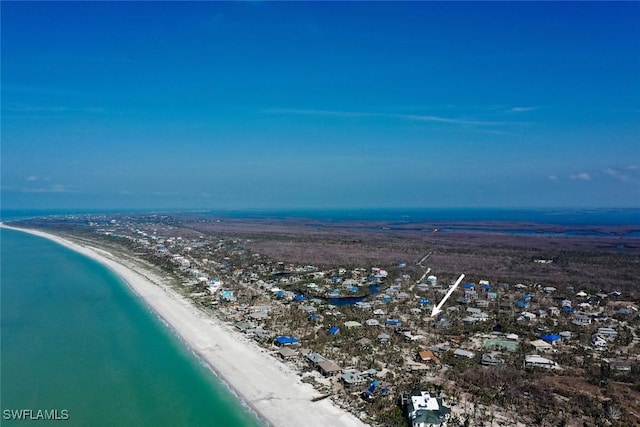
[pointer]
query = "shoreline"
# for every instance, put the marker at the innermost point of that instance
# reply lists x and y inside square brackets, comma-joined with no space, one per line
[269,388]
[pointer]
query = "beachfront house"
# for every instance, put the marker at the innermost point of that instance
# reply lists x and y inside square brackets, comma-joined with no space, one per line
[425,410]
[328,368]
[284,340]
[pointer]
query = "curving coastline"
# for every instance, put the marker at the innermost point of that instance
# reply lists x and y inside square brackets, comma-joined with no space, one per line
[270,389]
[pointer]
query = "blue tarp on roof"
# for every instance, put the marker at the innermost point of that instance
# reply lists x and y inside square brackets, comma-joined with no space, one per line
[286,340]
[551,337]
[333,330]
[299,297]
[313,316]
[280,294]
[522,304]
[568,309]
[393,322]
[486,287]
[469,285]
[527,297]
[425,301]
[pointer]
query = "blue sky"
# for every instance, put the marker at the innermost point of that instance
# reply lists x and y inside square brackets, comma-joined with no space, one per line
[260,105]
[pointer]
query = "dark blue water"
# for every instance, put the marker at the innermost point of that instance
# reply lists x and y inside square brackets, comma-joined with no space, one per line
[576,217]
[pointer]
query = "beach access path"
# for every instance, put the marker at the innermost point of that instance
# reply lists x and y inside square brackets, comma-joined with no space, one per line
[269,387]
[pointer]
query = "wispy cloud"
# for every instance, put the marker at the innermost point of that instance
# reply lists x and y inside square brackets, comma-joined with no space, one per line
[35,109]
[464,121]
[623,174]
[521,109]
[627,174]
[32,108]
[583,176]
[55,188]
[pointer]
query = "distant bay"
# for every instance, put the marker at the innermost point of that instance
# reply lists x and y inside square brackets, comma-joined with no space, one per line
[76,339]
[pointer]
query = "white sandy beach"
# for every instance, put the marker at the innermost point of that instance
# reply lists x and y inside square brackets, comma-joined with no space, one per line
[267,385]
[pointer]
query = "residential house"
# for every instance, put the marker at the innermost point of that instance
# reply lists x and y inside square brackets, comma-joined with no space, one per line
[489,359]
[363,342]
[352,324]
[535,361]
[608,333]
[372,322]
[428,356]
[328,368]
[283,340]
[541,345]
[354,377]
[287,353]
[598,341]
[384,338]
[620,365]
[425,410]
[464,353]
[581,320]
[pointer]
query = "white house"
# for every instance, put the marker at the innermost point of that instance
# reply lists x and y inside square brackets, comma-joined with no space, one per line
[535,361]
[598,341]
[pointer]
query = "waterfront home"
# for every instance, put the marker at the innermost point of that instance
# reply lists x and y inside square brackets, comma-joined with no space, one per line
[354,377]
[283,340]
[287,353]
[328,368]
[425,410]
[315,358]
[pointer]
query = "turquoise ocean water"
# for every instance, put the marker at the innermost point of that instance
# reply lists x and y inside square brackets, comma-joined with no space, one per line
[75,338]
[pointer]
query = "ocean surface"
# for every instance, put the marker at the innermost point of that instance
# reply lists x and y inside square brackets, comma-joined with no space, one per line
[573,217]
[76,340]
[559,216]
